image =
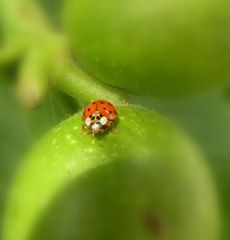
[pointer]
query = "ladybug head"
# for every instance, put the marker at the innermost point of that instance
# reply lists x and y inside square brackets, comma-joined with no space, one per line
[96,122]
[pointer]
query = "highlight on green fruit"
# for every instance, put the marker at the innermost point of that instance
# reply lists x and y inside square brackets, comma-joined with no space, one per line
[157,48]
[145,180]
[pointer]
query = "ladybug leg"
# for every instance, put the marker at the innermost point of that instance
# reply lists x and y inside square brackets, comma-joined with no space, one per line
[85,129]
[94,133]
[113,129]
[110,126]
[83,132]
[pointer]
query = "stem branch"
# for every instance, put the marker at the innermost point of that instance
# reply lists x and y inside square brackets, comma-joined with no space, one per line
[23,19]
[83,87]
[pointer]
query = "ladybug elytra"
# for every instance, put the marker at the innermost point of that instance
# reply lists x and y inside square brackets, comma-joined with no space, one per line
[99,116]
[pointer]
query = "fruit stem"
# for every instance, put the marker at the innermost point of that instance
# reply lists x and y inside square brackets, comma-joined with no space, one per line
[80,85]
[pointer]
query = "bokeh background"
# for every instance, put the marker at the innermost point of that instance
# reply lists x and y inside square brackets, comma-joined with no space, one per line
[204,116]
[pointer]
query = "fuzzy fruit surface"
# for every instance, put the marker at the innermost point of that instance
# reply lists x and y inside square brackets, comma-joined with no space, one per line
[143,181]
[158,48]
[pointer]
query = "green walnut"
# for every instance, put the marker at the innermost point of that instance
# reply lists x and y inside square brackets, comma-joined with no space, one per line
[144,180]
[157,48]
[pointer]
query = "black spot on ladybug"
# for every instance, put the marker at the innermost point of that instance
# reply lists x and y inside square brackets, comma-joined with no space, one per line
[102,102]
[110,112]
[88,109]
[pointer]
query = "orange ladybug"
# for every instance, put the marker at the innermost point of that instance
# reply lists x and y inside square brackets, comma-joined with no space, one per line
[99,116]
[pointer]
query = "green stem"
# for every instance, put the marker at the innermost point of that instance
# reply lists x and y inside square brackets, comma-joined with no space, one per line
[24,18]
[32,79]
[80,85]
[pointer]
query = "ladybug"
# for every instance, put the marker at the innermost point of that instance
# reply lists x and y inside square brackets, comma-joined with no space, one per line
[99,116]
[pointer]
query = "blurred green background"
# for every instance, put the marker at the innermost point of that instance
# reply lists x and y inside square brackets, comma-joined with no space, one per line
[205,117]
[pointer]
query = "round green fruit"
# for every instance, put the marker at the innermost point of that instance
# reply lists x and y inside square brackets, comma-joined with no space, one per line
[142,181]
[157,48]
